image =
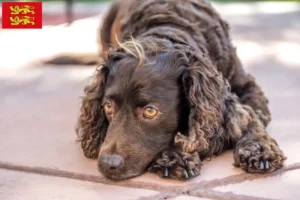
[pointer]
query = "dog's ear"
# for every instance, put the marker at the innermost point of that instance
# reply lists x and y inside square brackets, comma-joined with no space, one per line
[92,123]
[202,85]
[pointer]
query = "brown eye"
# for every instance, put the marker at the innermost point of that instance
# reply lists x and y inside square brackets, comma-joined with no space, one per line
[108,108]
[150,112]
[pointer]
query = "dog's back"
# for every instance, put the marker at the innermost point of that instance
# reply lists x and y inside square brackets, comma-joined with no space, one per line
[193,22]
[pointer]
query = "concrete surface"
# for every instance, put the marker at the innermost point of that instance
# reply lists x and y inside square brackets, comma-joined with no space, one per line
[284,186]
[40,159]
[26,186]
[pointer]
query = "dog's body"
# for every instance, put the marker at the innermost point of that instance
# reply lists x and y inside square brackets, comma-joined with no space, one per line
[172,96]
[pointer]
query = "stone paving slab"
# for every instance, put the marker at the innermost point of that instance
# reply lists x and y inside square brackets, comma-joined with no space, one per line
[25,186]
[285,186]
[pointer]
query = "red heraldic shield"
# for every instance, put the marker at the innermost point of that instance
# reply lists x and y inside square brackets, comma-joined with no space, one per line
[21,15]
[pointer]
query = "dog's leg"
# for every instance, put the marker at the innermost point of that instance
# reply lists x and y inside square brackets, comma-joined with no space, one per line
[177,164]
[249,92]
[255,151]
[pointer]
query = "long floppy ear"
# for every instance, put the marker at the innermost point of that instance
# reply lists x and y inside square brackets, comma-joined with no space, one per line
[92,123]
[203,86]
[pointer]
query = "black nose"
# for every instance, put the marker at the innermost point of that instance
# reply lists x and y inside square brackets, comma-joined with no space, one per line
[111,162]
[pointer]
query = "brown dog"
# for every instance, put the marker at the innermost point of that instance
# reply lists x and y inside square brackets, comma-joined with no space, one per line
[171,92]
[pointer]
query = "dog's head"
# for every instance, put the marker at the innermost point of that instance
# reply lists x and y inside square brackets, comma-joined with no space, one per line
[137,103]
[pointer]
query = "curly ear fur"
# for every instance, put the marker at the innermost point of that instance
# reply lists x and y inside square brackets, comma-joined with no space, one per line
[92,123]
[204,85]
[213,108]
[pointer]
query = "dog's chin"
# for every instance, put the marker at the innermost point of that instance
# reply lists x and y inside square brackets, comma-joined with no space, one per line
[123,173]
[120,175]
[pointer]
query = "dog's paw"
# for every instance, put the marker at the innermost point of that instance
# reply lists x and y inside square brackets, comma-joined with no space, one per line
[259,156]
[172,164]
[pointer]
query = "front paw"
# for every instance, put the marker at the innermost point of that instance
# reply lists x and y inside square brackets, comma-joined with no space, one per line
[172,164]
[258,156]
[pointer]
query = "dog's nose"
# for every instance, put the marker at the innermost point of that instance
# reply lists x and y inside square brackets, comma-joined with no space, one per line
[111,161]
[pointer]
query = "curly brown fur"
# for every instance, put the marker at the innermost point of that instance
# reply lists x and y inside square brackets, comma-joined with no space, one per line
[92,123]
[256,151]
[182,64]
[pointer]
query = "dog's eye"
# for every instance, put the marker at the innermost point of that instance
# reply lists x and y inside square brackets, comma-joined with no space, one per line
[150,112]
[108,108]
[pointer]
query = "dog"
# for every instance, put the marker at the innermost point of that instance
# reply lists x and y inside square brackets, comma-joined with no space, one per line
[170,92]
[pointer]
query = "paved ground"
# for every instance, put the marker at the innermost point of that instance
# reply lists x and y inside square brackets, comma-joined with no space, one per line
[40,160]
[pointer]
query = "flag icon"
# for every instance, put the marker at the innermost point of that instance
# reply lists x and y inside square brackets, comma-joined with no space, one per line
[21,15]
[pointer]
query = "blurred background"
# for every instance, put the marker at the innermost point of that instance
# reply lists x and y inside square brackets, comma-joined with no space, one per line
[253,21]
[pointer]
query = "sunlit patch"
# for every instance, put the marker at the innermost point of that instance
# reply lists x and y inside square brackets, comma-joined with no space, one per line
[252,8]
[284,52]
[288,53]
[249,51]
[49,41]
